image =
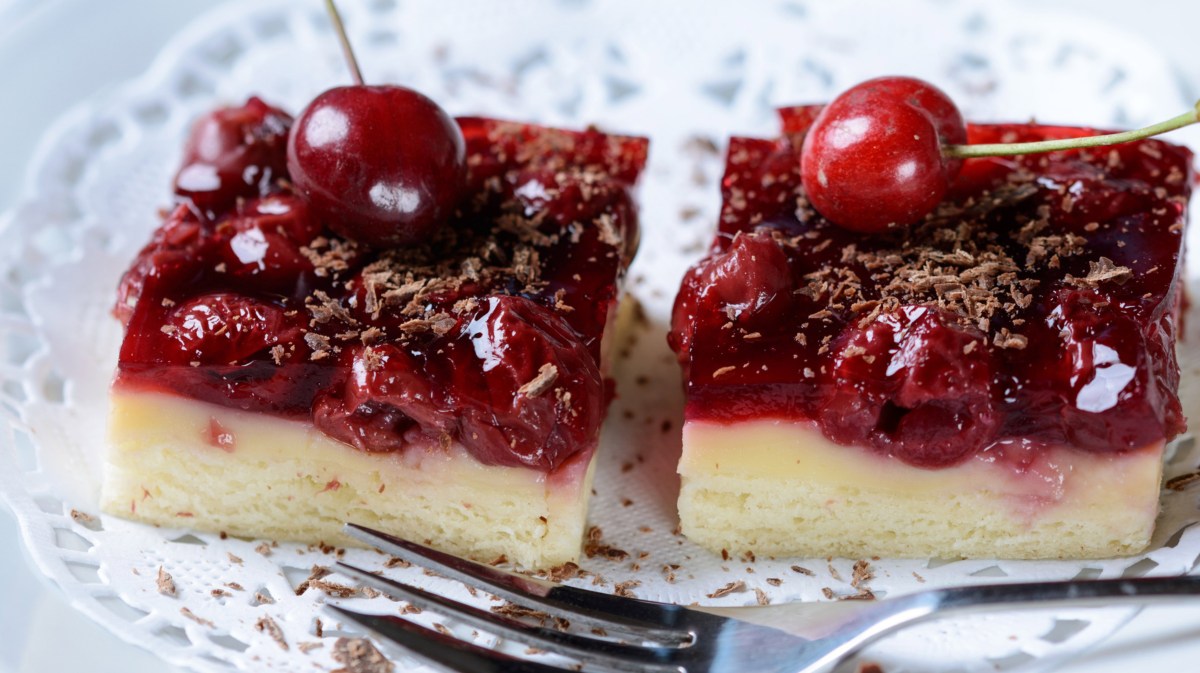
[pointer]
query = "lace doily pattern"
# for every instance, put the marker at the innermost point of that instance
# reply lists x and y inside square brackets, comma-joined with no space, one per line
[685,74]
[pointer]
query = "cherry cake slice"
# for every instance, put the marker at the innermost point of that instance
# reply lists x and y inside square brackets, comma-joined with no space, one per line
[277,380]
[998,381]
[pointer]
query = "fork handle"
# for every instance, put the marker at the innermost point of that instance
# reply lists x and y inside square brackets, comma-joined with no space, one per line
[1070,593]
[891,614]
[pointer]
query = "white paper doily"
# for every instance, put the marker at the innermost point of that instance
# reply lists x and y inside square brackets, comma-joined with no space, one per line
[676,71]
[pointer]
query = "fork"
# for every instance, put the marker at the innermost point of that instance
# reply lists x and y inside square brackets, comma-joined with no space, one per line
[629,634]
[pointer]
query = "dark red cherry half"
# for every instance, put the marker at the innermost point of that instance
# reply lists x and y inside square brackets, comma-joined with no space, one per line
[233,152]
[383,165]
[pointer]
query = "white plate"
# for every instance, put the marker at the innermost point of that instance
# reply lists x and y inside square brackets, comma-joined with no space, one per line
[671,71]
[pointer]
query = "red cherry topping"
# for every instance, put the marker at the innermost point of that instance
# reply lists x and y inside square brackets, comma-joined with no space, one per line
[873,158]
[225,327]
[883,153]
[914,384]
[233,152]
[384,165]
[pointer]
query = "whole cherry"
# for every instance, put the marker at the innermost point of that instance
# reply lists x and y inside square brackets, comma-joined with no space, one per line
[873,158]
[882,154]
[383,165]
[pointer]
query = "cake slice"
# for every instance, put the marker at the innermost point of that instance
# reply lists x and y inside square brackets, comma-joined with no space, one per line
[998,381]
[277,381]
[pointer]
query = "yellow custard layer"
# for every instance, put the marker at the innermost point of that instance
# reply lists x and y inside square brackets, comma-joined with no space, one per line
[181,463]
[781,488]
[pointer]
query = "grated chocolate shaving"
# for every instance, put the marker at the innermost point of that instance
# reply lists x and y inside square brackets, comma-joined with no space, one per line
[733,587]
[164,583]
[1102,271]
[196,618]
[1183,481]
[546,376]
[268,626]
[594,546]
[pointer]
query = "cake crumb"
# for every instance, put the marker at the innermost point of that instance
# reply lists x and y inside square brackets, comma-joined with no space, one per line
[358,655]
[803,571]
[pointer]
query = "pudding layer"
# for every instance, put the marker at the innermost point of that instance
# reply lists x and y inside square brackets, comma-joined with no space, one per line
[181,463]
[779,487]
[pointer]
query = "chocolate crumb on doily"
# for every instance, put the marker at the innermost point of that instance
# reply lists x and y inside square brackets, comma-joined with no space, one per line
[625,589]
[862,574]
[309,645]
[733,587]
[869,667]
[761,596]
[594,546]
[164,583]
[1183,481]
[563,572]
[263,548]
[267,625]
[234,559]
[803,571]
[314,575]
[359,655]
[509,609]
[833,572]
[81,517]
[196,618]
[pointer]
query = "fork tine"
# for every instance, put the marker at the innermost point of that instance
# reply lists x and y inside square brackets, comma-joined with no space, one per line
[441,650]
[586,649]
[629,618]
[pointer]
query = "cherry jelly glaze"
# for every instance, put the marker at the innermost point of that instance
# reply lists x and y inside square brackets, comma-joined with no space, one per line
[488,334]
[1037,307]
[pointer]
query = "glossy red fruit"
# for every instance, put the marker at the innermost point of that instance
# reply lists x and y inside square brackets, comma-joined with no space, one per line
[1105,366]
[749,284]
[513,384]
[873,160]
[383,165]
[233,152]
[260,244]
[913,384]
[224,328]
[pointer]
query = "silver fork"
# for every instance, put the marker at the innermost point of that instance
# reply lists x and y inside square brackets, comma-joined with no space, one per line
[636,635]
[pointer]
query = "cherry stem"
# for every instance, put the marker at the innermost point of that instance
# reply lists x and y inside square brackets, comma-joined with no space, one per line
[347,50]
[1010,149]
